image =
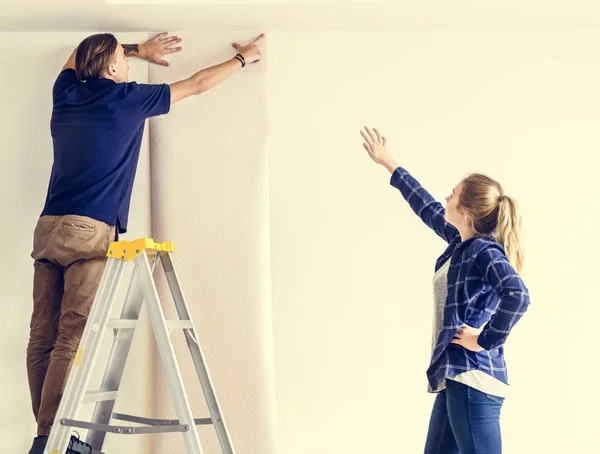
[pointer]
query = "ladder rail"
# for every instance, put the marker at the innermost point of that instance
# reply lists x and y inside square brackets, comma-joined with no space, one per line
[167,354]
[117,358]
[197,355]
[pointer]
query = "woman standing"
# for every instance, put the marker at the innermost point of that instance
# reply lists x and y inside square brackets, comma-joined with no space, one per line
[478,298]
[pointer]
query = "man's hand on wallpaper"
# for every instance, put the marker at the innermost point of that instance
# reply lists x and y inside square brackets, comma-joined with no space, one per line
[251,52]
[154,49]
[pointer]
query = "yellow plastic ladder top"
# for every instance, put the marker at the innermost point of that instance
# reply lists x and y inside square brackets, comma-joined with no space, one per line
[128,250]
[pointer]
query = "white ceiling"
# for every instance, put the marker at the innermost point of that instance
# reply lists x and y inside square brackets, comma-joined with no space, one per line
[180,15]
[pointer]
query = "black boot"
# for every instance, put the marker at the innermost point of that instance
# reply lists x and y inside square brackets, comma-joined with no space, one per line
[76,446]
[39,443]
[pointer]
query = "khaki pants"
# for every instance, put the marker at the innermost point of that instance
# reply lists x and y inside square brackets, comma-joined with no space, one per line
[69,253]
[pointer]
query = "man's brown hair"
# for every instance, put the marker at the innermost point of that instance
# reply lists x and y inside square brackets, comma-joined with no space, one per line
[94,54]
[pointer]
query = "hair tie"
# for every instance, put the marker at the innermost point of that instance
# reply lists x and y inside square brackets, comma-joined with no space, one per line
[501,197]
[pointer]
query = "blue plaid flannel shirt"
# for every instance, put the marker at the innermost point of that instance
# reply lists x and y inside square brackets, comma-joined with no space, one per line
[483,288]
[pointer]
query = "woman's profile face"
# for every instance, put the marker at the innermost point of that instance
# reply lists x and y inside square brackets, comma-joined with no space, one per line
[453,213]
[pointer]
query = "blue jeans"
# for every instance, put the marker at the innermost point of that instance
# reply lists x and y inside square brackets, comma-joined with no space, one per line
[464,421]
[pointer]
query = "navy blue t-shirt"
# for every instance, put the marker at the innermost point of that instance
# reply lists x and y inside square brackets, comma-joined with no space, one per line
[97,128]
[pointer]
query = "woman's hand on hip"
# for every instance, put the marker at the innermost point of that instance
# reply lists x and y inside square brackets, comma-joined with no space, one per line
[467,336]
[375,145]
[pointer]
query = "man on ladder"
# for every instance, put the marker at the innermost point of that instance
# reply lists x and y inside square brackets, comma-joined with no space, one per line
[97,125]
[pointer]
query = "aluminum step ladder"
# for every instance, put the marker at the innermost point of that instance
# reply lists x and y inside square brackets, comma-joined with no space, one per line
[145,255]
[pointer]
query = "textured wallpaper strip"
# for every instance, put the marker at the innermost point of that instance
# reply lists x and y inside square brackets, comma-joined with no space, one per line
[210,196]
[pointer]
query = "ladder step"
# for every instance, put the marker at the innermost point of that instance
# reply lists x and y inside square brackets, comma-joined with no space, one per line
[132,324]
[158,422]
[179,324]
[124,430]
[99,396]
[118,323]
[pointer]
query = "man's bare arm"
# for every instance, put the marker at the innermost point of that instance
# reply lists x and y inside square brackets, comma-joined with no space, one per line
[70,64]
[210,77]
[204,80]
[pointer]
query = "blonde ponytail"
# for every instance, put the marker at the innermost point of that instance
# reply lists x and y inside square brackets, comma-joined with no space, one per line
[508,231]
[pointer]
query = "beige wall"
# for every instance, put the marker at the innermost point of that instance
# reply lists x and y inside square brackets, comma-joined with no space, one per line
[210,196]
[31,62]
[352,266]
[348,264]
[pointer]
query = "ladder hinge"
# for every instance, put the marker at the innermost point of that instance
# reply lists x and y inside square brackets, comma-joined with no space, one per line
[128,250]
